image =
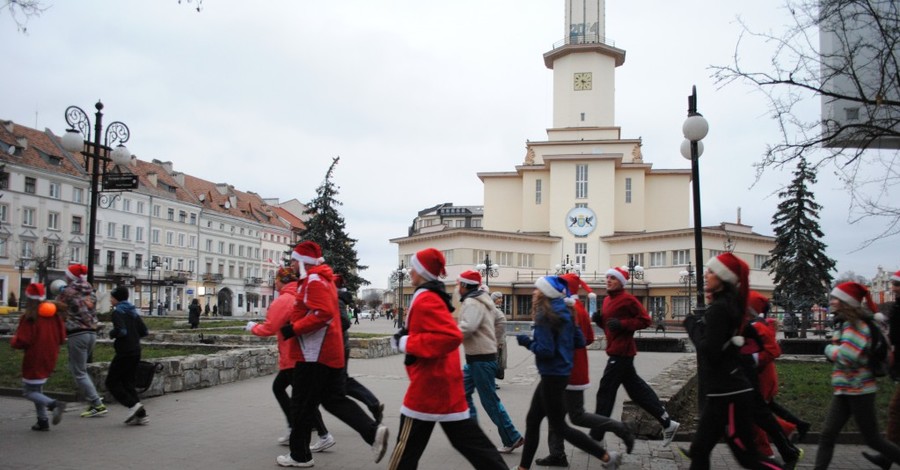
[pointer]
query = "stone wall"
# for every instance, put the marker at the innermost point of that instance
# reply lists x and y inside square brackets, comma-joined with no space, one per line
[673,386]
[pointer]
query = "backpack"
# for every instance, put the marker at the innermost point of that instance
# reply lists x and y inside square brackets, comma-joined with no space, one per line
[878,350]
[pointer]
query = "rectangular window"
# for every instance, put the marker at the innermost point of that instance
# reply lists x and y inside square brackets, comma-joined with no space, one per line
[580,256]
[526,260]
[76,224]
[126,232]
[170,238]
[222,248]
[537,192]
[140,207]
[182,216]
[479,256]
[4,246]
[77,195]
[681,306]
[138,260]
[28,249]
[627,190]
[76,254]
[124,260]
[4,213]
[111,230]
[581,181]
[28,217]
[759,261]
[231,249]
[209,246]
[171,214]
[656,307]
[523,307]
[181,239]
[156,210]
[476,223]
[55,191]
[193,218]
[30,185]
[459,224]
[657,259]
[504,258]
[192,265]
[638,258]
[154,236]
[680,257]
[126,205]
[139,234]
[241,251]
[53,221]
[110,258]
[715,253]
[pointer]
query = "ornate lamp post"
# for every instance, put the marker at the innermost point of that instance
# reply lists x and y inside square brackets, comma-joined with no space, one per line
[695,129]
[97,158]
[686,277]
[399,275]
[487,269]
[565,267]
[152,266]
[634,271]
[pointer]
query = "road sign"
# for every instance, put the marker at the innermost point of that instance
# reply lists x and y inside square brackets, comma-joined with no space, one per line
[119,182]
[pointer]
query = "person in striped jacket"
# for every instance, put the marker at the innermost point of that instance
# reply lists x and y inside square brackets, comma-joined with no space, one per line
[852,380]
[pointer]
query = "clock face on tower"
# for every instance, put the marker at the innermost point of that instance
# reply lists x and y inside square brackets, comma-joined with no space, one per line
[582,81]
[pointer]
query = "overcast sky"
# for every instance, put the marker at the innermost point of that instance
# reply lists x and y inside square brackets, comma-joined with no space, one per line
[415,97]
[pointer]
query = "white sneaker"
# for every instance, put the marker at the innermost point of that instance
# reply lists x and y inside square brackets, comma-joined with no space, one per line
[380,444]
[323,443]
[285,440]
[132,413]
[286,461]
[615,459]
[669,432]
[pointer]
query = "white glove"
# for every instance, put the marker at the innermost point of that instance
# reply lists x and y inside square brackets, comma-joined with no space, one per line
[250,325]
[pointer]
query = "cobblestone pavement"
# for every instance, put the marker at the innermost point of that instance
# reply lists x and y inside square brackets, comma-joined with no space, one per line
[235,426]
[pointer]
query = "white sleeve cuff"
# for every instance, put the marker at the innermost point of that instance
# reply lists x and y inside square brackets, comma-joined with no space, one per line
[402,343]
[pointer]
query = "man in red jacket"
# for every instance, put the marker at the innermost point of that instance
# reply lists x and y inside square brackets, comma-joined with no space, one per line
[622,314]
[319,375]
[431,342]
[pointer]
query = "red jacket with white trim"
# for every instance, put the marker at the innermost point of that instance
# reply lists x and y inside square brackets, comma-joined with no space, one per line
[580,378]
[435,390]
[316,319]
[41,339]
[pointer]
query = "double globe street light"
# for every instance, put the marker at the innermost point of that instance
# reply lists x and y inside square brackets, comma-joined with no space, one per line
[695,129]
[635,271]
[97,158]
[399,275]
[686,277]
[487,269]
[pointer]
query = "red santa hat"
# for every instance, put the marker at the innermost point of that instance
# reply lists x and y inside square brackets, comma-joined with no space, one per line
[758,303]
[429,263]
[308,253]
[733,270]
[895,277]
[618,273]
[76,272]
[574,282]
[854,294]
[36,291]
[472,278]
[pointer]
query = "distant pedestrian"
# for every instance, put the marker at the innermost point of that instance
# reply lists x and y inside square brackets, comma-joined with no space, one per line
[160,309]
[319,378]
[81,328]
[502,349]
[206,310]
[215,310]
[435,393]
[621,315]
[555,339]
[853,382]
[356,315]
[40,334]
[127,331]
[194,314]
[893,426]
[789,325]
[477,322]
[730,396]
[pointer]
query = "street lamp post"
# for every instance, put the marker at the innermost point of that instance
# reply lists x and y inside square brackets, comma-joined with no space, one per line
[565,267]
[487,269]
[686,277]
[152,266]
[634,271]
[695,129]
[399,275]
[22,264]
[97,158]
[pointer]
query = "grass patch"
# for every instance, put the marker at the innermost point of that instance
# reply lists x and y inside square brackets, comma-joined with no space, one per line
[61,380]
[805,389]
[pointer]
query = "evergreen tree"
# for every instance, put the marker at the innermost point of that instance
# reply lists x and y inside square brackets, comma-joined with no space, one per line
[327,228]
[802,270]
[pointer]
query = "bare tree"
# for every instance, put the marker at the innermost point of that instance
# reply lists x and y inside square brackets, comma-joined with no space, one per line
[23,10]
[843,54]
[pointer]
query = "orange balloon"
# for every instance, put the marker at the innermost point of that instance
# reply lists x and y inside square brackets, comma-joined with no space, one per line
[47,309]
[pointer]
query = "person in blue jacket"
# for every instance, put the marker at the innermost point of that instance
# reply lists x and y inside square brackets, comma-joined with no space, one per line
[554,342]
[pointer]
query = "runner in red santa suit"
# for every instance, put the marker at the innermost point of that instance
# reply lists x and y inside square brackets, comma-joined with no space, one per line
[319,377]
[431,342]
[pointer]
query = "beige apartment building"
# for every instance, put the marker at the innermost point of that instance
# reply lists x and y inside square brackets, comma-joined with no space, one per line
[584,199]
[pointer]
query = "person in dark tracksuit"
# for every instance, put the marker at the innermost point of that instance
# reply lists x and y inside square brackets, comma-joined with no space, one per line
[128,329]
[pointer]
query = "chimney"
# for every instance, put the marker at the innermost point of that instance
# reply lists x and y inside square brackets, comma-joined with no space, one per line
[22,142]
[179,177]
[8,125]
[152,177]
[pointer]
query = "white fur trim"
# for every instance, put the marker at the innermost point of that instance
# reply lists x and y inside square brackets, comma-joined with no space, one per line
[468,281]
[845,297]
[548,290]
[71,276]
[307,259]
[616,274]
[401,345]
[570,301]
[592,295]
[417,265]
[458,416]
[36,297]
[722,271]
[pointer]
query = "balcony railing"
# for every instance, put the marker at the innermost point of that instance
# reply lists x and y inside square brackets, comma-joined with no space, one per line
[211,277]
[589,38]
[253,281]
